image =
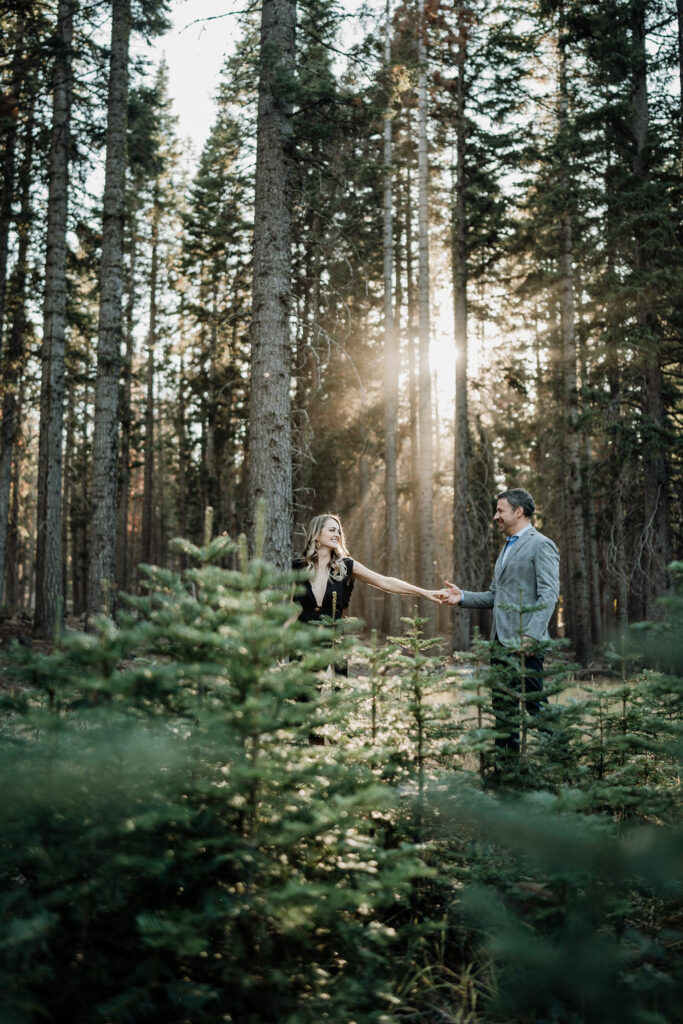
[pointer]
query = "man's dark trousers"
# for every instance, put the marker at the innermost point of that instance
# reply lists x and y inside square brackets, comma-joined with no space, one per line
[506,703]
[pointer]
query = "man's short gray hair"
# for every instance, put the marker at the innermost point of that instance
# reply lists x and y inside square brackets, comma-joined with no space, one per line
[516,497]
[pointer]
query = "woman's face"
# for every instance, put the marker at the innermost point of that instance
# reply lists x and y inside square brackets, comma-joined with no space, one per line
[330,534]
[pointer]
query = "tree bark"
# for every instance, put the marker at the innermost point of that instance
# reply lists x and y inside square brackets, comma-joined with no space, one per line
[79,514]
[270,455]
[150,411]
[575,547]
[68,487]
[102,568]
[49,594]
[126,412]
[588,499]
[20,550]
[392,606]
[212,460]
[181,427]
[655,470]
[679,16]
[425,494]
[9,118]
[461,544]
[307,369]
[15,354]
[413,403]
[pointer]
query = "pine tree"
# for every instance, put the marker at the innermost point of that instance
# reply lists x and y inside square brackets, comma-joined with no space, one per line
[15,55]
[425,467]
[49,594]
[222,828]
[269,394]
[102,551]
[391,363]
[215,263]
[101,573]
[15,349]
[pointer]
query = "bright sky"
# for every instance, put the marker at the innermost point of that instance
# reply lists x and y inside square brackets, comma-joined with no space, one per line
[202,33]
[194,47]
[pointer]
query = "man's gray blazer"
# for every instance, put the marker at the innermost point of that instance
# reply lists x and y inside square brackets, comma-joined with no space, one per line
[530,576]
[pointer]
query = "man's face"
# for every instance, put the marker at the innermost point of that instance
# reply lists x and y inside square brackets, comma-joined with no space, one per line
[508,519]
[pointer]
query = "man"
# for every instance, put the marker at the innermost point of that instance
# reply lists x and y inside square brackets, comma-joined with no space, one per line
[527,573]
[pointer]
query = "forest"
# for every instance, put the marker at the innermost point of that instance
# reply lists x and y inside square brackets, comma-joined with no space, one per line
[430,250]
[478,260]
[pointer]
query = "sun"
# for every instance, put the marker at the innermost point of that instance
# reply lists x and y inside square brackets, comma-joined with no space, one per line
[442,353]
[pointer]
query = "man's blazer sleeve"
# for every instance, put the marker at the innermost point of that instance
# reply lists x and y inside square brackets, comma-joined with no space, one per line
[479,599]
[547,565]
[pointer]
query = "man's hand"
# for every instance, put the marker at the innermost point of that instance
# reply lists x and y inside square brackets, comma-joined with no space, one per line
[452,594]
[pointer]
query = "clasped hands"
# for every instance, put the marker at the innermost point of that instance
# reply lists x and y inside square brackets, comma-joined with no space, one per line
[450,594]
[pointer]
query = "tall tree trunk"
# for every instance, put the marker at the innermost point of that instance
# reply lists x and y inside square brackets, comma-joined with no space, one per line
[102,568]
[17,563]
[79,514]
[392,606]
[403,355]
[159,526]
[575,547]
[588,500]
[49,594]
[412,377]
[461,543]
[590,543]
[425,493]
[679,15]
[181,428]
[126,412]
[307,369]
[15,354]
[618,450]
[617,557]
[655,470]
[9,118]
[232,486]
[68,488]
[150,411]
[270,448]
[212,462]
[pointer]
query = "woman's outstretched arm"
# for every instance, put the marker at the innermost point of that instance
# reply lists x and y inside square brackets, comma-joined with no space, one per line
[392,585]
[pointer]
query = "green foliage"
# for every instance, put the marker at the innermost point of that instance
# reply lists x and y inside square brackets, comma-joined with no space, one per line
[578,925]
[174,845]
[174,848]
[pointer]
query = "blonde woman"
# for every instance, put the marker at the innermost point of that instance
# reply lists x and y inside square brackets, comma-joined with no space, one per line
[328,592]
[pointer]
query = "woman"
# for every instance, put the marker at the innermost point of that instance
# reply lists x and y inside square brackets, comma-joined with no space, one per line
[334,573]
[328,592]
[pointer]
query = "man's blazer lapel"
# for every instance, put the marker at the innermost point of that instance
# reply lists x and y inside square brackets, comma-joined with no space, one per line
[498,567]
[516,548]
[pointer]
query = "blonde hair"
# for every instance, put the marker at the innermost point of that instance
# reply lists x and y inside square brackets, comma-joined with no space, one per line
[309,554]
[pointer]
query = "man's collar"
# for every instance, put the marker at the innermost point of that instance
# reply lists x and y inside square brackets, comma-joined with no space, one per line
[520,532]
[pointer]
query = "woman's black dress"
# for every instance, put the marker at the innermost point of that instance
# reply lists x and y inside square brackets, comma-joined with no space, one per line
[310,609]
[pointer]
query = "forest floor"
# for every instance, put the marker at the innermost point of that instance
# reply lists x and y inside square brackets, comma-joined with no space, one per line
[19,627]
